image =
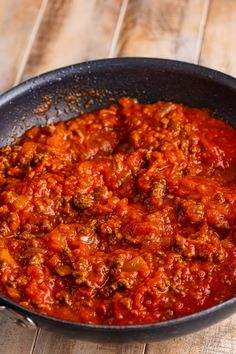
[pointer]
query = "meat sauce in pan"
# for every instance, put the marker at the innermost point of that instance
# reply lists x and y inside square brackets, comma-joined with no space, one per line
[121,216]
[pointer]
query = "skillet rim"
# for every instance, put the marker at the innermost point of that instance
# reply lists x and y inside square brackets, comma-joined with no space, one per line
[113,328]
[80,68]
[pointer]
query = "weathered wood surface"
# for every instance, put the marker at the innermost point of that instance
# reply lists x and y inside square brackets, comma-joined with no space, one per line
[164,29]
[73,31]
[219,47]
[217,339]
[41,35]
[48,343]
[15,340]
[18,23]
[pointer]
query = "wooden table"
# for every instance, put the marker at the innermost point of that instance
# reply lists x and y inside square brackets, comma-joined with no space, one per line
[40,35]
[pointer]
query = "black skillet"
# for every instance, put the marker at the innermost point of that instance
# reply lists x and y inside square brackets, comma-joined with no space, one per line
[61,94]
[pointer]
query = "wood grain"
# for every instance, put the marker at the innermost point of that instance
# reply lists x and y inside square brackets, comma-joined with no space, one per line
[17,20]
[13,339]
[164,29]
[219,50]
[48,343]
[218,339]
[73,31]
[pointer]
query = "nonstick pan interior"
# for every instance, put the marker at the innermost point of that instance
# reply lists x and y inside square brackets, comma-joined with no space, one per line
[64,93]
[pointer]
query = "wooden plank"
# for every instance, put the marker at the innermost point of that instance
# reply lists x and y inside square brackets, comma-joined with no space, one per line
[14,339]
[73,31]
[53,344]
[218,49]
[17,21]
[218,339]
[69,33]
[166,29]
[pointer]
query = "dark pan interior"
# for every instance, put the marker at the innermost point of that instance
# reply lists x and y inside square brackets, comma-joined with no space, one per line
[64,93]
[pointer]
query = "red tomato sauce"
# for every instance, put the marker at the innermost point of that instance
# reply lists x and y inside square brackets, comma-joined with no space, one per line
[121,216]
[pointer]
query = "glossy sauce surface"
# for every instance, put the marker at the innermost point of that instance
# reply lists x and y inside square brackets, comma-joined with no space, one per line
[121,216]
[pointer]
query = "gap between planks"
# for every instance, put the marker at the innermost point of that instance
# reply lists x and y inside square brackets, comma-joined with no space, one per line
[202,30]
[35,340]
[118,28]
[31,41]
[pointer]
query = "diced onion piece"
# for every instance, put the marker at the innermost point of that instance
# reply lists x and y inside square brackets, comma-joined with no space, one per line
[63,270]
[135,264]
[6,257]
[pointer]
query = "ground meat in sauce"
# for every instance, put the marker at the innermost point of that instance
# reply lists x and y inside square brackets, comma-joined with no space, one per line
[121,216]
